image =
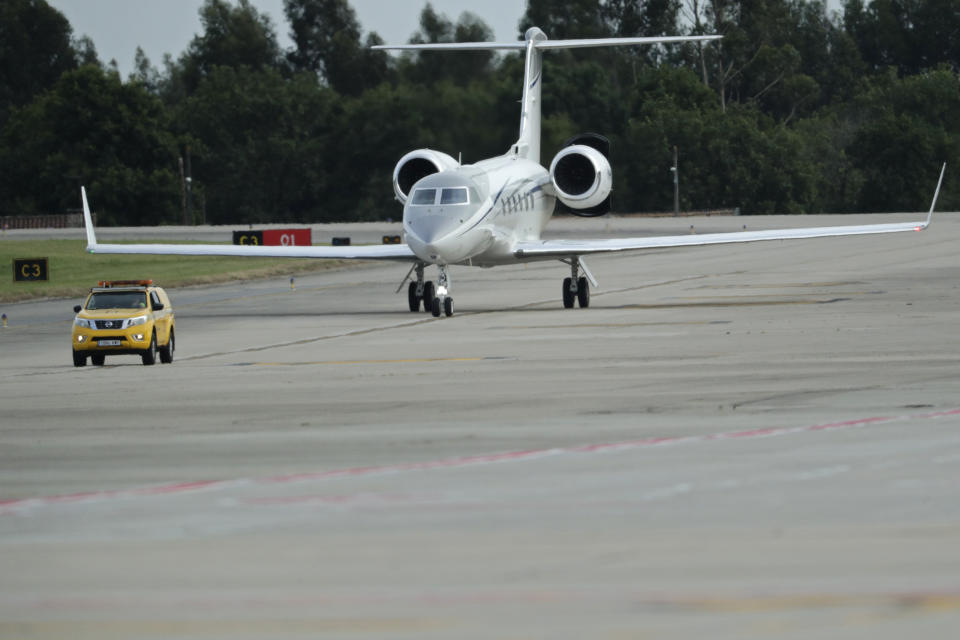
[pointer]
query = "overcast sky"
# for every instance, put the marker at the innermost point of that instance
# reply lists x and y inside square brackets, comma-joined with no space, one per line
[118,27]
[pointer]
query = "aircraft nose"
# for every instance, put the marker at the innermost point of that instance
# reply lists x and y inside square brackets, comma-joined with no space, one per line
[429,229]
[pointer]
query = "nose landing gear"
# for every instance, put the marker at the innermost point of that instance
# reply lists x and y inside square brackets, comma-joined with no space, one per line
[442,301]
[434,298]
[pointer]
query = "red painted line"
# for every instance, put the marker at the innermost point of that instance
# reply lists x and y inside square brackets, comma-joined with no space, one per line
[179,487]
[13,505]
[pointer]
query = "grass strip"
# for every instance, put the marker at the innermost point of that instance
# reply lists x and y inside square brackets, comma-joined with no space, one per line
[72,271]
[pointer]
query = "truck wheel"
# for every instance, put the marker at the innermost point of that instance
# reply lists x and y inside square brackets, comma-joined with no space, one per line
[150,355]
[166,351]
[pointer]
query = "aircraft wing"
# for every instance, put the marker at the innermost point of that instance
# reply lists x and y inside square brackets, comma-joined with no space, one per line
[363,252]
[399,252]
[562,248]
[545,249]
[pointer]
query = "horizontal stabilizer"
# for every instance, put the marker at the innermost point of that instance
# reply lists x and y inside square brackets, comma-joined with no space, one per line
[543,44]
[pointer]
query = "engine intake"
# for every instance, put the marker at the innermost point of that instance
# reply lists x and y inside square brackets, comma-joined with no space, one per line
[582,178]
[416,165]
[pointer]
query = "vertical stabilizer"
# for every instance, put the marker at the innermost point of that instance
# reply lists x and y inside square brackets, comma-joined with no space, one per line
[528,143]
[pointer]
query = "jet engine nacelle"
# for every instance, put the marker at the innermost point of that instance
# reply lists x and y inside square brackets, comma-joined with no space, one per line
[582,178]
[418,164]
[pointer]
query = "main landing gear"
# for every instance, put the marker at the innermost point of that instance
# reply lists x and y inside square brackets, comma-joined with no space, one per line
[434,298]
[576,287]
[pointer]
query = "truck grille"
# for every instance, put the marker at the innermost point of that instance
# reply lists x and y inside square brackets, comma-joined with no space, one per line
[109,324]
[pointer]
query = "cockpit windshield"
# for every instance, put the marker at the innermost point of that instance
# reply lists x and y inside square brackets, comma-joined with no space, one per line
[454,195]
[424,196]
[444,196]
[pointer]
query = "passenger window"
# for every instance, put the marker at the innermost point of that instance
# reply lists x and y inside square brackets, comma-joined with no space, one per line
[424,196]
[456,195]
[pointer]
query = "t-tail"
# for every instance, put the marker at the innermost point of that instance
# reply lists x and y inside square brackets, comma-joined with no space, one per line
[534,43]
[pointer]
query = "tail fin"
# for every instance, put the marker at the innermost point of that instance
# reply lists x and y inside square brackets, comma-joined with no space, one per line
[88,222]
[535,41]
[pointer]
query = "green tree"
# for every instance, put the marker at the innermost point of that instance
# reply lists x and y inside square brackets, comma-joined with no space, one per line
[261,144]
[327,41]
[145,73]
[35,49]
[738,158]
[461,67]
[760,59]
[566,19]
[93,129]
[911,35]
[233,36]
[641,18]
[906,128]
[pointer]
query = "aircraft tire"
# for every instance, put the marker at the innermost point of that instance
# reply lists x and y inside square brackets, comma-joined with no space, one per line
[448,306]
[435,307]
[412,297]
[568,295]
[428,296]
[583,293]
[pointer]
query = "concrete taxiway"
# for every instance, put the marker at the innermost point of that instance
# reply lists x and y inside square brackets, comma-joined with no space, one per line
[732,442]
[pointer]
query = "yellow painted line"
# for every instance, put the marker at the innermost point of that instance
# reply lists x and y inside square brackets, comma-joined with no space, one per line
[616,325]
[238,626]
[765,296]
[907,601]
[395,361]
[775,285]
[719,303]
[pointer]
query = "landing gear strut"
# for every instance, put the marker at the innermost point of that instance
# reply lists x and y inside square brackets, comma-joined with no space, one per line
[434,298]
[417,288]
[576,287]
[442,302]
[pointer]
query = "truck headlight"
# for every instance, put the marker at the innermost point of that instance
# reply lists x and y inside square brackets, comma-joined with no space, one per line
[83,322]
[132,322]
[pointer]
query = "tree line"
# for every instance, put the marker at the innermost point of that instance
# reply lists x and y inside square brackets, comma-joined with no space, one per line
[797,109]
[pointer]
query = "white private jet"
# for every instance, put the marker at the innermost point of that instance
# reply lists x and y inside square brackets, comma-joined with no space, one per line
[494,211]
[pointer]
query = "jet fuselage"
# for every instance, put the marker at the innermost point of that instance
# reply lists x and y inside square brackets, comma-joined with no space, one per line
[475,214]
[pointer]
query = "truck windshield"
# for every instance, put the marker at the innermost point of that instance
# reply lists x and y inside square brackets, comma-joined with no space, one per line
[117,300]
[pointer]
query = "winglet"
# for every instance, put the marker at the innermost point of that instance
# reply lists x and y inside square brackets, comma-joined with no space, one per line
[934,202]
[88,221]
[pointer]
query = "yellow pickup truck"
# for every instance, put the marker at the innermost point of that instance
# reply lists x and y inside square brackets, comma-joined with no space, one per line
[122,317]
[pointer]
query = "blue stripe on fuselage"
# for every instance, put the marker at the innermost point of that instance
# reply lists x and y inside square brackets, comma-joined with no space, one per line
[493,206]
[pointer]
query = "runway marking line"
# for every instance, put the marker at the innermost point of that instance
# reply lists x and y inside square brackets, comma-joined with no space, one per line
[395,361]
[15,504]
[902,602]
